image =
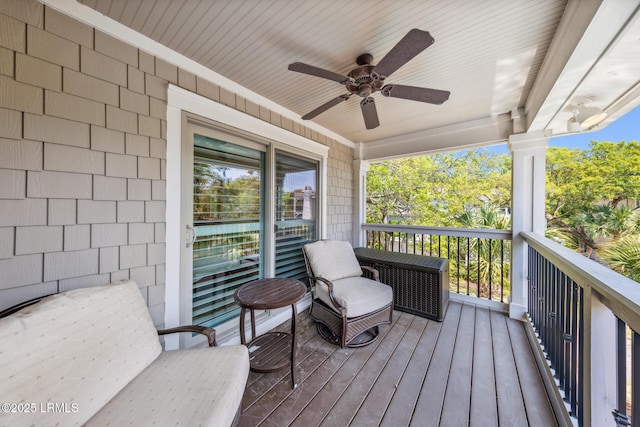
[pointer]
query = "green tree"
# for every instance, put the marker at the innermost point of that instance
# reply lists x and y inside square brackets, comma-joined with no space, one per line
[623,256]
[436,190]
[585,189]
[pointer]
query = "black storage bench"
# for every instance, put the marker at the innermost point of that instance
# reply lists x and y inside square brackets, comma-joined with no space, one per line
[420,283]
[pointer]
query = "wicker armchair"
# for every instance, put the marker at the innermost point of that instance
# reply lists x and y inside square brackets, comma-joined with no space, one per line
[347,307]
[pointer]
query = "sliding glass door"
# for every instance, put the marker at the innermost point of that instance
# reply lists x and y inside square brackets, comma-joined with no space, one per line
[296,206]
[228,225]
[248,206]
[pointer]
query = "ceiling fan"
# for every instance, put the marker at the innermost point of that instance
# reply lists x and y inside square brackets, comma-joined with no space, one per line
[367,78]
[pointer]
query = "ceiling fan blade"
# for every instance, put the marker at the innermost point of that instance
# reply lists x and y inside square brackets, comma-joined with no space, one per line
[422,94]
[318,72]
[408,47]
[369,113]
[326,106]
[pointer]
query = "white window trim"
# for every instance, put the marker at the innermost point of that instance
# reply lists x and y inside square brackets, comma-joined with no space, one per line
[180,100]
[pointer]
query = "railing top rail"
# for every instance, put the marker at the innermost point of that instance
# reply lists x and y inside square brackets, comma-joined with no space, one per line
[619,293]
[442,231]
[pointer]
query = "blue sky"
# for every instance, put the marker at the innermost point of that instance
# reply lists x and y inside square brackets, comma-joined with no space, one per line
[626,128]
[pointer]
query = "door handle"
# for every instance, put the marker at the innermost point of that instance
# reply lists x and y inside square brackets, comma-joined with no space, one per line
[194,236]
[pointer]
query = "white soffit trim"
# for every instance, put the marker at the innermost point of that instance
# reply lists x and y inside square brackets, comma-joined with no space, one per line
[586,32]
[121,32]
[194,103]
[461,136]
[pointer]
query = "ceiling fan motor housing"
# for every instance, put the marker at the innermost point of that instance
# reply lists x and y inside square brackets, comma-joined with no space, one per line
[362,82]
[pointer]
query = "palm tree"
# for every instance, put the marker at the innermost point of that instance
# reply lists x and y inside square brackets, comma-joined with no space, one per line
[483,260]
[623,256]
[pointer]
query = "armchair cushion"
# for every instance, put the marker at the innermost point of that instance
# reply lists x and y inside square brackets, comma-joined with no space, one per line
[332,259]
[358,295]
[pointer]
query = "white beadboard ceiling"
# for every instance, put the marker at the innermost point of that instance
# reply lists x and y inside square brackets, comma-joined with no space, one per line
[488,53]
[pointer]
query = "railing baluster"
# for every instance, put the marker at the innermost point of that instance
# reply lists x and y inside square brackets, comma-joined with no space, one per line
[403,239]
[501,270]
[561,323]
[635,379]
[620,413]
[490,269]
[580,353]
[458,265]
[553,310]
[468,261]
[430,244]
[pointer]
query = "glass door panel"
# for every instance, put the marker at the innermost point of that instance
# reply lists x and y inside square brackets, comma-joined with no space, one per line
[228,224]
[296,213]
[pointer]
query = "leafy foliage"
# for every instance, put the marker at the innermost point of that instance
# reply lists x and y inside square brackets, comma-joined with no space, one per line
[436,190]
[590,198]
[587,191]
[623,256]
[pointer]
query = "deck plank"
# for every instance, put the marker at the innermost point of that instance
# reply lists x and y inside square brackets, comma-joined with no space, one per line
[474,368]
[404,399]
[535,396]
[429,405]
[455,409]
[259,384]
[385,386]
[484,406]
[511,410]
[343,411]
[297,401]
[333,389]
[275,395]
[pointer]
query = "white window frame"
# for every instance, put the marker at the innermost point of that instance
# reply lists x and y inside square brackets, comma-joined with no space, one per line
[179,102]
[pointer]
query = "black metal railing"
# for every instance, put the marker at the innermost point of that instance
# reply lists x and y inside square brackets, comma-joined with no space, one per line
[577,307]
[627,376]
[556,305]
[479,259]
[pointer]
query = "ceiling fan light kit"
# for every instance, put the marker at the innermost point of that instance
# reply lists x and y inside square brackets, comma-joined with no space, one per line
[589,116]
[584,117]
[366,79]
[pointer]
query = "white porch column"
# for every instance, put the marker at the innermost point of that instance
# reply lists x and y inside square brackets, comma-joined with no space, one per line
[528,152]
[360,168]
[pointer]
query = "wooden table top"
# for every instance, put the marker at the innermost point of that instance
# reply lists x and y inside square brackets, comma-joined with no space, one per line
[265,294]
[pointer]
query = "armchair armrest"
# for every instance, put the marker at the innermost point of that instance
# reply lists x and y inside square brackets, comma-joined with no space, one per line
[210,333]
[330,288]
[373,271]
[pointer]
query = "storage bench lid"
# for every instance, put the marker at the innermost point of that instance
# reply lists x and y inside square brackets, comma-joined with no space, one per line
[396,259]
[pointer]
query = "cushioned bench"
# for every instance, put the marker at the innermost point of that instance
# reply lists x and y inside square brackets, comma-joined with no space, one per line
[92,357]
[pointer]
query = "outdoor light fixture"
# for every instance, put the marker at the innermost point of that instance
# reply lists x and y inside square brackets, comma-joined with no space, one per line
[584,117]
[573,125]
[589,116]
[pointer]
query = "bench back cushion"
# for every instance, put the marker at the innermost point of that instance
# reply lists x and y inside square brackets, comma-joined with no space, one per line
[77,350]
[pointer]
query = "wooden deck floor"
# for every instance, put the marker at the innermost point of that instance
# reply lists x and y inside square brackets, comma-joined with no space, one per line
[475,368]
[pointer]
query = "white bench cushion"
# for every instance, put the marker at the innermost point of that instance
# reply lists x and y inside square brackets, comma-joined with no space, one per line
[79,347]
[195,387]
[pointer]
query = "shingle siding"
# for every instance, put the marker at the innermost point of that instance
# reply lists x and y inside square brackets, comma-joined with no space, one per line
[83,157]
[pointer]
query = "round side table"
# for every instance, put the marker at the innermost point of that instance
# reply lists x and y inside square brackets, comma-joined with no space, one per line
[270,351]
